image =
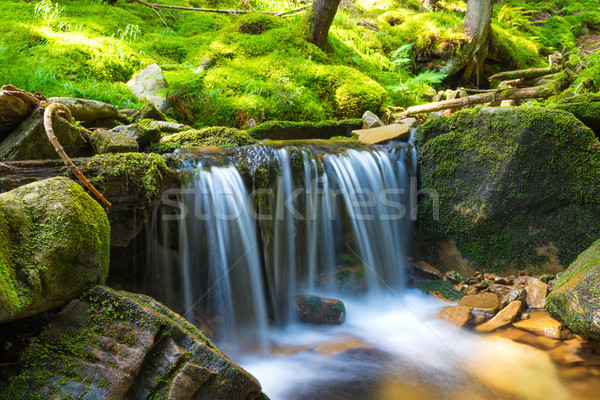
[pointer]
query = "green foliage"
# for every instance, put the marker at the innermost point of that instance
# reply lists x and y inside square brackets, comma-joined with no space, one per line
[515,17]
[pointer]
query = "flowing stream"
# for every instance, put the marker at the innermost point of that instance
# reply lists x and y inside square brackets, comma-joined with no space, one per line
[257,228]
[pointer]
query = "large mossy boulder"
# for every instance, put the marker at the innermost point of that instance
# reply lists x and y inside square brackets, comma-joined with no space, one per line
[214,136]
[30,142]
[575,299]
[54,243]
[514,188]
[117,345]
[586,108]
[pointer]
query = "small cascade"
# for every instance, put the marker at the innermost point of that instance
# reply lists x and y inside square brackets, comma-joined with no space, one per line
[240,243]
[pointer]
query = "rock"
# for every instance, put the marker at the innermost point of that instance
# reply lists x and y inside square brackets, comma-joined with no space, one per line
[495,204]
[503,318]
[143,136]
[116,345]
[426,271]
[54,243]
[147,83]
[399,131]
[169,127]
[542,324]
[148,111]
[456,315]
[90,110]
[30,142]
[586,108]
[575,299]
[536,293]
[508,103]
[251,123]
[15,107]
[370,120]
[320,310]
[113,142]
[454,277]
[128,112]
[485,302]
[508,294]
[215,136]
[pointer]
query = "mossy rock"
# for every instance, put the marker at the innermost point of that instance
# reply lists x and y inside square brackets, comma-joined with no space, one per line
[30,142]
[353,99]
[289,130]
[54,243]
[130,176]
[439,288]
[113,142]
[514,189]
[116,345]
[575,299]
[214,136]
[149,111]
[586,108]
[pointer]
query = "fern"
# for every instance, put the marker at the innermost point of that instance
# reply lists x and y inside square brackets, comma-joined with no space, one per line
[515,17]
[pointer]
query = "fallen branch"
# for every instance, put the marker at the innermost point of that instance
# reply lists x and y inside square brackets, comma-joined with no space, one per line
[279,14]
[154,6]
[524,74]
[508,94]
[61,152]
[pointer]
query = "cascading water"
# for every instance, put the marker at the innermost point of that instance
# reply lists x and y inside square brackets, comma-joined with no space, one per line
[330,214]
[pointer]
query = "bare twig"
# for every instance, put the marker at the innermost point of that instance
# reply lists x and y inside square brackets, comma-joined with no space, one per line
[279,14]
[61,152]
[211,10]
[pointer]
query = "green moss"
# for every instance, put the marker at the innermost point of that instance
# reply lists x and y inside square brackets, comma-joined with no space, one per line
[255,24]
[512,186]
[441,288]
[313,303]
[214,136]
[291,130]
[143,175]
[56,241]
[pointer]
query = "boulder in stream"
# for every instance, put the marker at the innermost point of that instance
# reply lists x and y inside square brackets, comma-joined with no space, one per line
[575,299]
[116,345]
[507,189]
[320,310]
[54,243]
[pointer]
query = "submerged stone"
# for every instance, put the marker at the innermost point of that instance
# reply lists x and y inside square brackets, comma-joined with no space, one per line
[507,189]
[542,324]
[54,242]
[114,345]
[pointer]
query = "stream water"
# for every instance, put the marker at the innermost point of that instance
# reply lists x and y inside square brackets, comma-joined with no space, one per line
[255,229]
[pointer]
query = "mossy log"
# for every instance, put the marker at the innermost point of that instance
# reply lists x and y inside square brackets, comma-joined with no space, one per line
[524,73]
[508,94]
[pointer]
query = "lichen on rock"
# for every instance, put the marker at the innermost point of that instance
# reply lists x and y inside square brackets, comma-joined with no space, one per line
[54,243]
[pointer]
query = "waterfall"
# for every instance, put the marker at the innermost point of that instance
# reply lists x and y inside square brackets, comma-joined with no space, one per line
[330,220]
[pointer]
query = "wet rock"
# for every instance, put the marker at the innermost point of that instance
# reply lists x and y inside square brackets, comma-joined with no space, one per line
[143,136]
[30,142]
[484,166]
[54,243]
[507,294]
[575,299]
[425,271]
[148,83]
[90,110]
[320,310]
[536,293]
[472,281]
[485,302]
[113,142]
[456,315]
[503,318]
[542,324]
[15,107]
[370,120]
[454,277]
[116,345]
[398,131]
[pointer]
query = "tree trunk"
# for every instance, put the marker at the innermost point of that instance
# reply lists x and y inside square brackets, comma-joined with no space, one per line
[478,27]
[430,4]
[320,18]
